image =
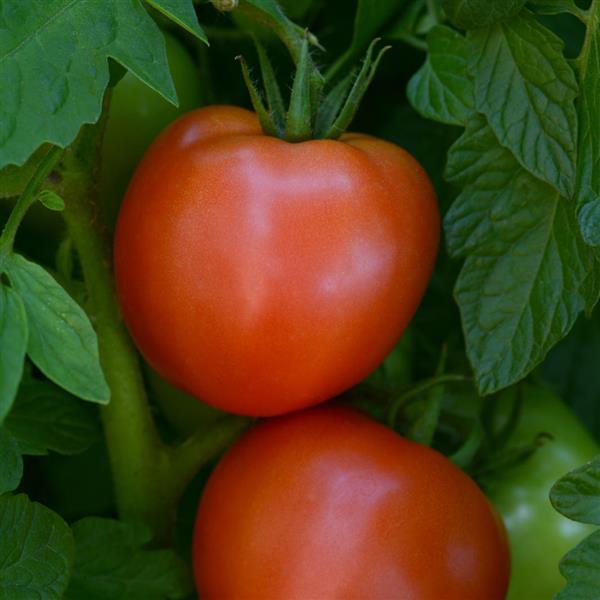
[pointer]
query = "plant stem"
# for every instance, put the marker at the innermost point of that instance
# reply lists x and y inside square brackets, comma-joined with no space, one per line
[418,389]
[27,198]
[133,443]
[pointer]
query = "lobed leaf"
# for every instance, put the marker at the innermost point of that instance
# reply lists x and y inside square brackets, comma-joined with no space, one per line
[53,58]
[36,551]
[62,342]
[580,568]
[528,273]
[13,346]
[111,562]
[442,89]
[526,88]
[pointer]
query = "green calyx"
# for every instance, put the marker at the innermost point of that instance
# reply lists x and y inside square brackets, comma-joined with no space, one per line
[312,113]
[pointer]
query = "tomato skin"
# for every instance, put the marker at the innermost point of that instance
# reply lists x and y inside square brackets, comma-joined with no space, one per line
[137,115]
[540,536]
[291,269]
[326,503]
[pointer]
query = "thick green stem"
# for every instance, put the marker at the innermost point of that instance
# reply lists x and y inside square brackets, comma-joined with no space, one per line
[27,198]
[134,447]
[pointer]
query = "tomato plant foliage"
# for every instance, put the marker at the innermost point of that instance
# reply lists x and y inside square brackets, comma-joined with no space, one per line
[483,94]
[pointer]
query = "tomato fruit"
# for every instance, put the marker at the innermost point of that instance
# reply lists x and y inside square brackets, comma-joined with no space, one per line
[291,269]
[540,536]
[326,503]
[137,115]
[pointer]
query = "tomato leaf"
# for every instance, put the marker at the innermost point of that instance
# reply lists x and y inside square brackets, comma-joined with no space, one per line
[55,57]
[469,14]
[577,494]
[181,13]
[528,273]
[442,89]
[588,165]
[11,463]
[526,89]
[36,551]
[13,342]
[580,568]
[111,562]
[62,342]
[51,200]
[44,418]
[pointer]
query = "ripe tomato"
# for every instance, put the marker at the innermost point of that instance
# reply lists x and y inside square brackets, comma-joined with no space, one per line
[326,503]
[539,536]
[137,115]
[264,276]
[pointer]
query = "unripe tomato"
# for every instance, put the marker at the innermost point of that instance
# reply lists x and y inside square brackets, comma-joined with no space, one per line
[137,115]
[327,504]
[539,535]
[264,276]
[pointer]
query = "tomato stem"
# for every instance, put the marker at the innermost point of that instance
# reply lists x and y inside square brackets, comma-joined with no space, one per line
[417,389]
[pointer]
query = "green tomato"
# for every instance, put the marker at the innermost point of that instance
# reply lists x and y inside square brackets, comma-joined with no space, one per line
[137,115]
[539,536]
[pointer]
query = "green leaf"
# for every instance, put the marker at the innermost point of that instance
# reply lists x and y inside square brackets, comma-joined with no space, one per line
[44,418]
[526,89]
[11,463]
[111,562]
[442,89]
[588,164]
[51,200]
[580,568]
[527,273]
[36,551]
[371,17]
[53,60]
[470,14]
[182,13]
[13,345]
[577,494]
[62,342]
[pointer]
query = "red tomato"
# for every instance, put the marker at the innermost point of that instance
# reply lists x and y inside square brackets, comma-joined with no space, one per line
[264,276]
[326,504]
